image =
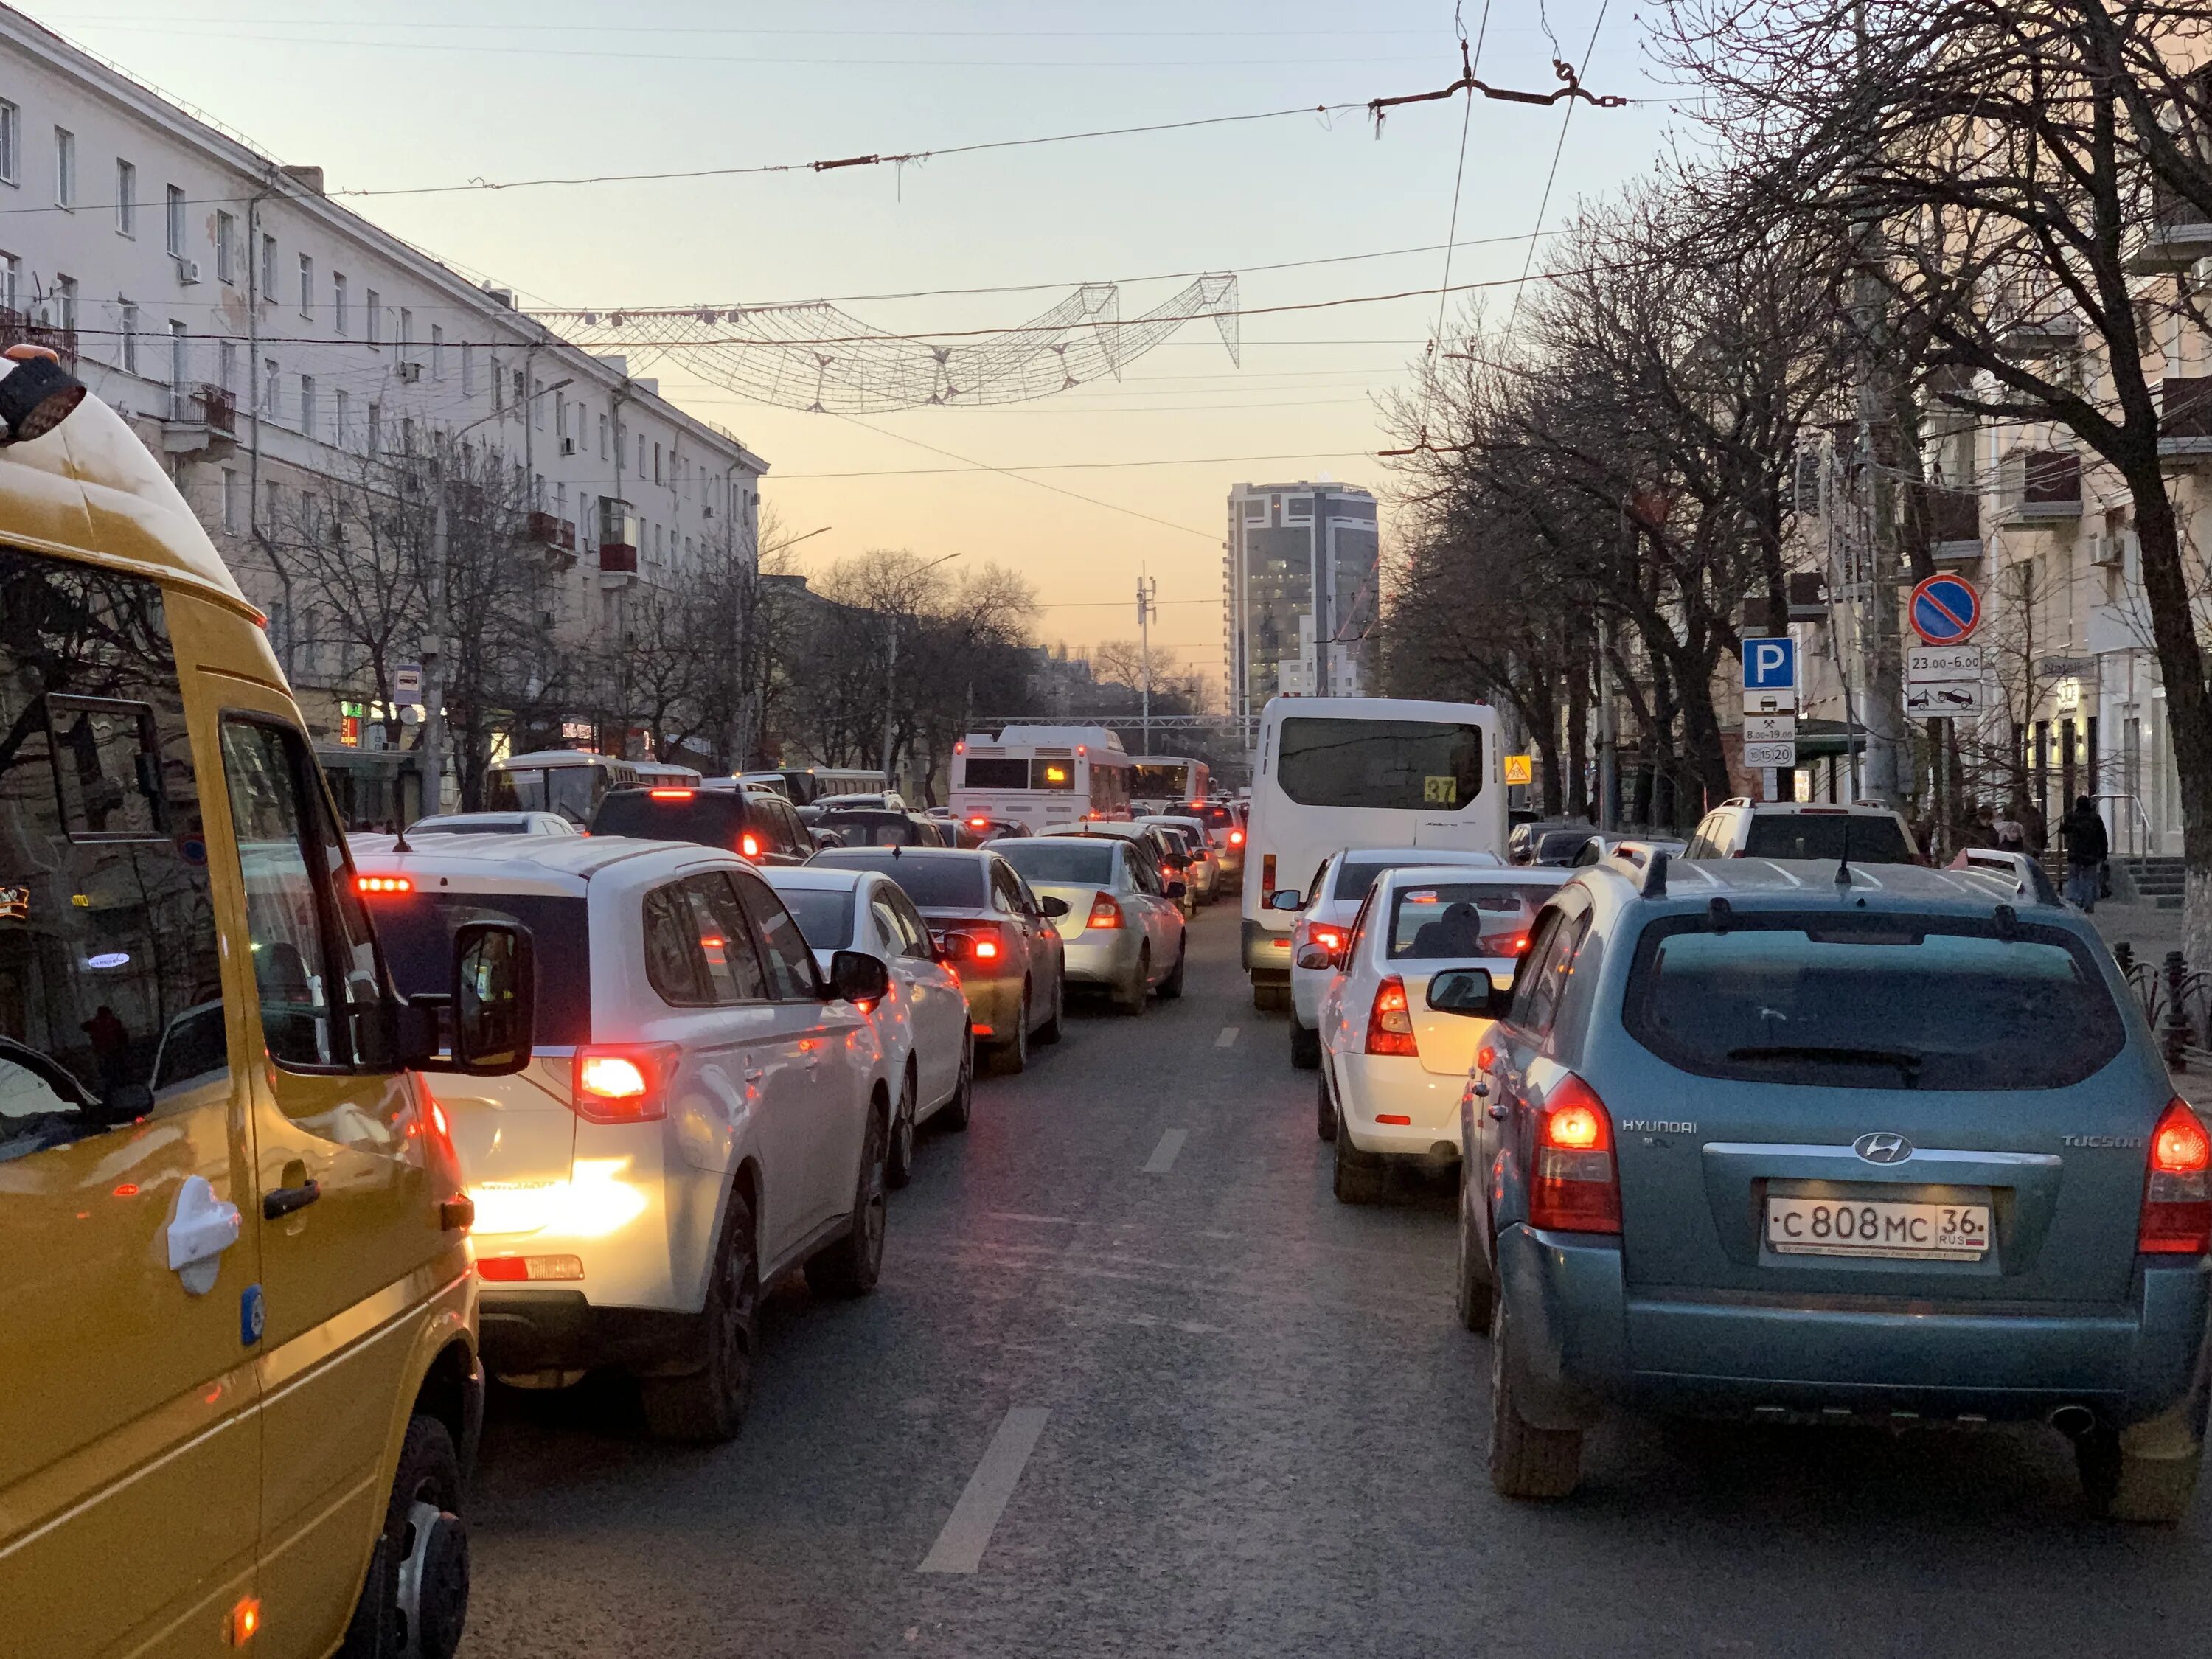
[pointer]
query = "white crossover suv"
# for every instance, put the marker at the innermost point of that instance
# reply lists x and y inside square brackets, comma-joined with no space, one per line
[705,1110]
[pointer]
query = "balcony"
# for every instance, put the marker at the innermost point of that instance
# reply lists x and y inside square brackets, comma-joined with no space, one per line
[617,559]
[550,530]
[2041,486]
[16,329]
[2052,335]
[2180,234]
[203,421]
[1953,520]
[2185,432]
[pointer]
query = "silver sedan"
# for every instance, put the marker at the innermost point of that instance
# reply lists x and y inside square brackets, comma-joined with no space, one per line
[1122,933]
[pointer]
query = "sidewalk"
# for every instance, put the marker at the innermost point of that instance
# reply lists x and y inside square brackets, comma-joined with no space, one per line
[2146,929]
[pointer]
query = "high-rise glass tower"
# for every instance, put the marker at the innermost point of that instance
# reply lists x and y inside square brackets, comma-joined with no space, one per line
[1298,579]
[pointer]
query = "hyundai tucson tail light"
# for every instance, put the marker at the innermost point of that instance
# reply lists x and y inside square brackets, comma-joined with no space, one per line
[2177,1206]
[1576,1189]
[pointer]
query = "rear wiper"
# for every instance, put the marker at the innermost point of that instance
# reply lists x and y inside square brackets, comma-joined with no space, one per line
[1906,1062]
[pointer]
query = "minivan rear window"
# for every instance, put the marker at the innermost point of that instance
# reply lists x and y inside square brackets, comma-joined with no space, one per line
[1868,1000]
[416,932]
[1821,836]
[1406,765]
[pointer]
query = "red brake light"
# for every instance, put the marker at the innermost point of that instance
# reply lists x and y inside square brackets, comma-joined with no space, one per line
[984,949]
[672,794]
[382,885]
[1105,911]
[1576,1187]
[1330,938]
[1390,1022]
[979,824]
[749,845]
[2177,1207]
[1236,837]
[623,1083]
[1484,1057]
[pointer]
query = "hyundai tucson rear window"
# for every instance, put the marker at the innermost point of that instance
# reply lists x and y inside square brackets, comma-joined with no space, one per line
[1821,836]
[1872,1001]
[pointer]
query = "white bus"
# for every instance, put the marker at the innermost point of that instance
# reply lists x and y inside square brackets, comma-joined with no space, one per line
[1332,773]
[802,786]
[1040,776]
[569,781]
[1164,783]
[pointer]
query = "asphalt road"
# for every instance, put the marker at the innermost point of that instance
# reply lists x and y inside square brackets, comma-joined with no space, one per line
[1133,1382]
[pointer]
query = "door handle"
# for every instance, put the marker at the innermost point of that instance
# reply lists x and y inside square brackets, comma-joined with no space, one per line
[280,1201]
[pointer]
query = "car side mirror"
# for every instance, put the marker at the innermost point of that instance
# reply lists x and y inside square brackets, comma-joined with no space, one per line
[1053,908]
[494,997]
[1467,991]
[1314,958]
[824,839]
[856,976]
[1286,898]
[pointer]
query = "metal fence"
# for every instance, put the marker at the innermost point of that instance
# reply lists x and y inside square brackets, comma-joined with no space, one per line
[2177,999]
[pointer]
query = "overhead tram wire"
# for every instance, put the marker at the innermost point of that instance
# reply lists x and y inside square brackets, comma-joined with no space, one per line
[1544,206]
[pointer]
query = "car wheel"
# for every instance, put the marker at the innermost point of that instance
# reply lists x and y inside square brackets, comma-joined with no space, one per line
[1131,1001]
[1049,1031]
[1478,1296]
[1525,1461]
[851,1266]
[1305,1046]
[1171,987]
[709,1404]
[1011,1057]
[1358,1175]
[1325,1124]
[899,1167]
[417,1595]
[2123,1487]
[961,1109]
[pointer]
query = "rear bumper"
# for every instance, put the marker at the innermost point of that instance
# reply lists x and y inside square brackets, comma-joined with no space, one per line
[1396,1086]
[527,1331]
[1588,1337]
[1103,956]
[1267,952]
[994,1005]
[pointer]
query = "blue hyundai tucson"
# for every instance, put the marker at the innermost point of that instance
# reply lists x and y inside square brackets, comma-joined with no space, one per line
[1798,1140]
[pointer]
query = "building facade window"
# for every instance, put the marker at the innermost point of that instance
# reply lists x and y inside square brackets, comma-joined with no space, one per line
[406,330]
[371,317]
[656,462]
[307,410]
[172,223]
[126,198]
[179,355]
[229,500]
[65,303]
[129,355]
[603,437]
[64,168]
[498,386]
[375,428]
[537,404]
[226,247]
[268,268]
[11,282]
[307,286]
[468,370]
[339,299]
[272,389]
[437,352]
[11,143]
[226,363]
[342,410]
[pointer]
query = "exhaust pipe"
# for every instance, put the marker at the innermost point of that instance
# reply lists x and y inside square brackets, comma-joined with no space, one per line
[2072,1421]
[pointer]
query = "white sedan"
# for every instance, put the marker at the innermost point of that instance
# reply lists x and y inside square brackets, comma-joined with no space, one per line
[704,1110]
[923,1018]
[1325,919]
[1392,1068]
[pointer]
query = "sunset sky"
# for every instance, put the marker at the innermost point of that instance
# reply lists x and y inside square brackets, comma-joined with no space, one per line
[406,94]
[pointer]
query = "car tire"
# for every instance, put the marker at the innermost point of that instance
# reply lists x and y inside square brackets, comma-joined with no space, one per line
[1358,1176]
[898,1164]
[1130,1002]
[1305,1047]
[1525,1461]
[960,1111]
[1325,1122]
[1171,987]
[707,1405]
[1051,1030]
[851,1266]
[2147,1491]
[416,1598]
[1478,1296]
[1011,1057]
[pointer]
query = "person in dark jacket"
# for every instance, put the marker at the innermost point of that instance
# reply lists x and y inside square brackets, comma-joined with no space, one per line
[2083,833]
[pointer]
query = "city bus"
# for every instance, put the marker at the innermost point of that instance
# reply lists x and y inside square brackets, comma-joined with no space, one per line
[802,786]
[569,781]
[1165,783]
[1040,776]
[1332,773]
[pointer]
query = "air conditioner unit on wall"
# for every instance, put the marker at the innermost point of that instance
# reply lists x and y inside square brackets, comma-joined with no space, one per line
[188,271]
[568,446]
[410,372]
[2104,551]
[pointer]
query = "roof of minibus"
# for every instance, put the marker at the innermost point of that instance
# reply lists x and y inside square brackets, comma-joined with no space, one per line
[90,489]
[1374,709]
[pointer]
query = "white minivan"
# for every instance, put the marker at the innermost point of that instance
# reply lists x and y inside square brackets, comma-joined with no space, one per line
[1337,773]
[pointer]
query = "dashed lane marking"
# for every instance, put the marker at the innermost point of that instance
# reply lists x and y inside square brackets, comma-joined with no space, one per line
[1228,1037]
[1164,1155]
[967,1531]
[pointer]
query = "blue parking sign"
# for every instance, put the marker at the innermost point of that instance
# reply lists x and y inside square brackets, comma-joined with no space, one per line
[1770,665]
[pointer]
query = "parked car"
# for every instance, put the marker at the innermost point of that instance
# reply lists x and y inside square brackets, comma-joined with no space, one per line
[1392,1068]
[1325,916]
[2020,873]
[1164,850]
[1548,841]
[493,824]
[1741,828]
[977,830]
[863,826]
[1636,849]
[922,1020]
[758,825]
[1223,821]
[1123,934]
[1200,868]
[243,1392]
[997,935]
[708,1111]
[1756,1138]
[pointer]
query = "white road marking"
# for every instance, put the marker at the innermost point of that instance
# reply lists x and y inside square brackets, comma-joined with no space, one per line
[1016,1215]
[1227,1037]
[967,1532]
[1164,1155]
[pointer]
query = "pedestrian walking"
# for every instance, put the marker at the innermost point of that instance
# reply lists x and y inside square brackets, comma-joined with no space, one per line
[1981,828]
[2082,833]
[2011,833]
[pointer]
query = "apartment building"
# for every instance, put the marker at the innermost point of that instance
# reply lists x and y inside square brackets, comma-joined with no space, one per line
[1298,592]
[262,339]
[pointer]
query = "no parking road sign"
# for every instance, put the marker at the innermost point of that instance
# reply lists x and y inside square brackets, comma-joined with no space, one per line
[1944,610]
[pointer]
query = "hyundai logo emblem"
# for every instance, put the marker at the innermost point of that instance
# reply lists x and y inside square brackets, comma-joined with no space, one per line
[1882,1148]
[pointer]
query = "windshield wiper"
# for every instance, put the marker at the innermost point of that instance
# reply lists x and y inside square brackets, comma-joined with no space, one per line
[1906,1061]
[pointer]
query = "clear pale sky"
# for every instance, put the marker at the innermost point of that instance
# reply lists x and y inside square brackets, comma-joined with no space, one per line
[406,92]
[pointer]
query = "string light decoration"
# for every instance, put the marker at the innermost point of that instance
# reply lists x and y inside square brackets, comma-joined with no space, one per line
[816,357]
